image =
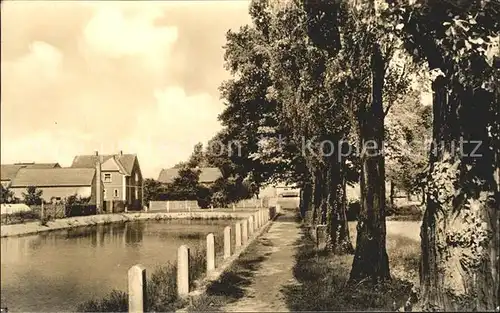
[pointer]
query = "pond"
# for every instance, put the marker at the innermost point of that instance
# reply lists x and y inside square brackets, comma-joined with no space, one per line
[56,271]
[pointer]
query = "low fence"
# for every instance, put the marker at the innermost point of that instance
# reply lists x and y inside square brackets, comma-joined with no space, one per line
[243,231]
[47,212]
[173,206]
[187,206]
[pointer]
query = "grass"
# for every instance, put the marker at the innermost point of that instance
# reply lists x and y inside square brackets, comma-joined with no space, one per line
[324,284]
[161,287]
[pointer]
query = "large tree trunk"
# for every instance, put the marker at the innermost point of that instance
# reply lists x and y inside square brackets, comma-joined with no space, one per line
[338,228]
[325,191]
[306,199]
[391,194]
[317,195]
[460,231]
[370,259]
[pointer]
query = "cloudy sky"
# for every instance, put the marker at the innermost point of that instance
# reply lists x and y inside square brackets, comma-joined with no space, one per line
[141,77]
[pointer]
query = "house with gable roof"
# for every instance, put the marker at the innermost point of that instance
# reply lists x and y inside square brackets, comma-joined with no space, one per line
[120,174]
[56,183]
[9,171]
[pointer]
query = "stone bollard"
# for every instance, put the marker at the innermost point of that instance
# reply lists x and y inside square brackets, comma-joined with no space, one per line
[321,237]
[250,226]
[227,242]
[210,253]
[183,271]
[237,235]
[244,232]
[137,289]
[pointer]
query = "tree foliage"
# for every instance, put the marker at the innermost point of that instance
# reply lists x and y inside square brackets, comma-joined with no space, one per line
[32,196]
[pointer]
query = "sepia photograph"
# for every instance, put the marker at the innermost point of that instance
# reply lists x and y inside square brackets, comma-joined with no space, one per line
[250,156]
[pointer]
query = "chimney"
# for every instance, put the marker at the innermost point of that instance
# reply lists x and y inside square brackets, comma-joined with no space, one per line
[121,152]
[98,186]
[97,153]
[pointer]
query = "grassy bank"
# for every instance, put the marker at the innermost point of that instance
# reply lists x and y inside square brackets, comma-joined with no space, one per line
[161,287]
[323,280]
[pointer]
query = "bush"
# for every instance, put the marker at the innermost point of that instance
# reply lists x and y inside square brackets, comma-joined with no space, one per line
[409,212]
[80,210]
[204,197]
[136,205]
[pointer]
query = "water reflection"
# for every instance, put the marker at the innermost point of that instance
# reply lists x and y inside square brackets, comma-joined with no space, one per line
[54,271]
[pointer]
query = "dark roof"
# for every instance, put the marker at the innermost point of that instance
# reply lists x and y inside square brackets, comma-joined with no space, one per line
[45,165]
[9,171]
[207,174]
[88,161]
[53,177]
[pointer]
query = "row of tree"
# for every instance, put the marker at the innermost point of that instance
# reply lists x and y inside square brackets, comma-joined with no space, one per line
[314,80]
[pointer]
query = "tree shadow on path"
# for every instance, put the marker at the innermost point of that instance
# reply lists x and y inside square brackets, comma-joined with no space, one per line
[230,287]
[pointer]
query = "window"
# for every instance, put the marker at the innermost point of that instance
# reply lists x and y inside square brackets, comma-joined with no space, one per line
[116,193]
[136,177]
[104,193]
[107,178]
[136,193]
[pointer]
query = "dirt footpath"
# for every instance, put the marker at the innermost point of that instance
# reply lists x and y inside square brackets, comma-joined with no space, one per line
[276,250]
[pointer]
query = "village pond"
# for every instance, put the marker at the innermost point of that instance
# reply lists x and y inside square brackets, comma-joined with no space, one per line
[55,271]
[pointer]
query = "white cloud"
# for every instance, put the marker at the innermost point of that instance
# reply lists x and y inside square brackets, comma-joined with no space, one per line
[43,62]
[84,76]
[111,33]
[168,133]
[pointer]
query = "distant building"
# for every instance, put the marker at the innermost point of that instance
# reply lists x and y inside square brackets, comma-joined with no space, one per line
[120,174]
[208,175]
[287,191]
[56,183]
[9,171]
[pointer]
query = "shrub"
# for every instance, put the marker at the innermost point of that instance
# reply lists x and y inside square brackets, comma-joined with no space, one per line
[136,205]
[80,210]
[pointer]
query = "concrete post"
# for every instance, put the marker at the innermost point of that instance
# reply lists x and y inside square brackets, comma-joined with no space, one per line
[210,252]
[256,221]
[42,212]
[250,225]
[234,207]
[244,232]
[237,235]
[183,271]
[212,208]
[278,208]
[168,206]
[227,242]
[137,289]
